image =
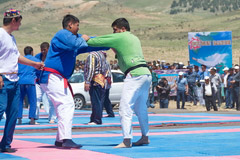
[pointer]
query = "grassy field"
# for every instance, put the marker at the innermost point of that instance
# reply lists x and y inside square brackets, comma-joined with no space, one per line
[163,36]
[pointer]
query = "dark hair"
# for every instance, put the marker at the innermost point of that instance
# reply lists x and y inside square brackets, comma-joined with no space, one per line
[7,21]
[121,22]
[44,45]
[28,50]
[67,19]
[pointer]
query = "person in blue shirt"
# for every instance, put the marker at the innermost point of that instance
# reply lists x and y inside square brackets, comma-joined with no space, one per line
[204,72]
[41,95]
[27,80]
[59,66]
[182,89]
[229,89]
[192,78]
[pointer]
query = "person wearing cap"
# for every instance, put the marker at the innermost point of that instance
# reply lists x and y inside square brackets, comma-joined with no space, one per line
[137,82]
[180,65]
[192,78]
[229,89]
[203,74]
[224,80]
[209,90]
[236,87]
[9,87]
[159,63]
[163,63]
[216,79]
[65,46]
[182,89]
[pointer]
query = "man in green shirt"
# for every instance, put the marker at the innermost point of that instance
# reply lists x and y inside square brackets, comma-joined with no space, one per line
[138,79]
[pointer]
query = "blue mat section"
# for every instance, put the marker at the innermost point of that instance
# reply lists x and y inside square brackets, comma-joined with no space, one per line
[177,145]
[81,119]
[4,156]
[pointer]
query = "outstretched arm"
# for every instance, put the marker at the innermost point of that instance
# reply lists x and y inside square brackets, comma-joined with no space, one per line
[25,61]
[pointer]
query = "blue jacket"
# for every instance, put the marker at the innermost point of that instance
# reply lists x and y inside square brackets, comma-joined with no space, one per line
[64,48]
[39,56]
[27,74]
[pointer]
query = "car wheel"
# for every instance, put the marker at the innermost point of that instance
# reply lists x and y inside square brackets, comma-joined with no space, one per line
[79,101]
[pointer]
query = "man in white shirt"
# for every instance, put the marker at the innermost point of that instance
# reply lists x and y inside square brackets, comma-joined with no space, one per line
[216,79]
[9,88]
[209,93]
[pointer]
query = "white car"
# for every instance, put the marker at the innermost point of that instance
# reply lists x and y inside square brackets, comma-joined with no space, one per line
[82,98]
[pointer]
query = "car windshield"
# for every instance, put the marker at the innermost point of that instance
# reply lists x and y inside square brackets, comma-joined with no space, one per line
[76,78]
[118,77]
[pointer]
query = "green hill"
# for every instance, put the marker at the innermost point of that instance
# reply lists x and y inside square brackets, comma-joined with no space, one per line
[163,36]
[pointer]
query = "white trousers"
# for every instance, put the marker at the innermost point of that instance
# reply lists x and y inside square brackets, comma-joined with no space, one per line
[134,99]
[48,106]
[63,103]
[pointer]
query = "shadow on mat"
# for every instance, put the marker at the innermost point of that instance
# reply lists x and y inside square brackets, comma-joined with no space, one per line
[99,144]
[57,147]
[47,146]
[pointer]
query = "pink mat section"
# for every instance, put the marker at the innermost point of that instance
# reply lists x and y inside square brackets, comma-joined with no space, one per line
[37,151]
[40,151]
[194,158]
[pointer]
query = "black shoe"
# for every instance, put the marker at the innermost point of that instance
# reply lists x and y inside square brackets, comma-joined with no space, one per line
[68,143]
[183,108]
[110,116]
[8,150]
[58,144]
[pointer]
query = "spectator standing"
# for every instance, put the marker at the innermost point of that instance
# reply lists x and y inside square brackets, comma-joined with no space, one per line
[182,89]
[229,89]
[204,72]
[27,80]
[94,75]
[106,101]
[41,95]
[236,87]
[209,92]
[216,80]
[192,78]
[224,80]
[163,89]
[154,84]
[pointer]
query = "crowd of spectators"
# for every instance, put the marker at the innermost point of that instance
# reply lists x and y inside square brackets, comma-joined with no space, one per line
[191,85]
[191,88]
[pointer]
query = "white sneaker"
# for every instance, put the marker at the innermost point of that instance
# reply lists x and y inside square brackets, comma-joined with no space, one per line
[92,123]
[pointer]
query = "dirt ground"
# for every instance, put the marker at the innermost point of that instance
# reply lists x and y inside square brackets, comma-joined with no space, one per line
[189,108]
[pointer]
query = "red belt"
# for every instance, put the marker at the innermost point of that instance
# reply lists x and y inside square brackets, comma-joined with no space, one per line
[66,83]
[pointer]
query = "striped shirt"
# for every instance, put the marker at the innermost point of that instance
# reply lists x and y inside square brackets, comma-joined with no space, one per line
[95,64]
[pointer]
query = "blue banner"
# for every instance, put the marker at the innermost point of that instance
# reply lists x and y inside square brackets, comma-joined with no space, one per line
[213,49]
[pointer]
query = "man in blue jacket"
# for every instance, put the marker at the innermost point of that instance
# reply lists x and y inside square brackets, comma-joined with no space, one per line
[59,66]
[41,95]
[27,80]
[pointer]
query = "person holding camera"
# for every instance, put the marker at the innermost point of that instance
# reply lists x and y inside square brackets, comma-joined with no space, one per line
[163,90]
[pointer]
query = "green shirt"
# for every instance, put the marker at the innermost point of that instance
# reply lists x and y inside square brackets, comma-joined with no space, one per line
[128,49]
